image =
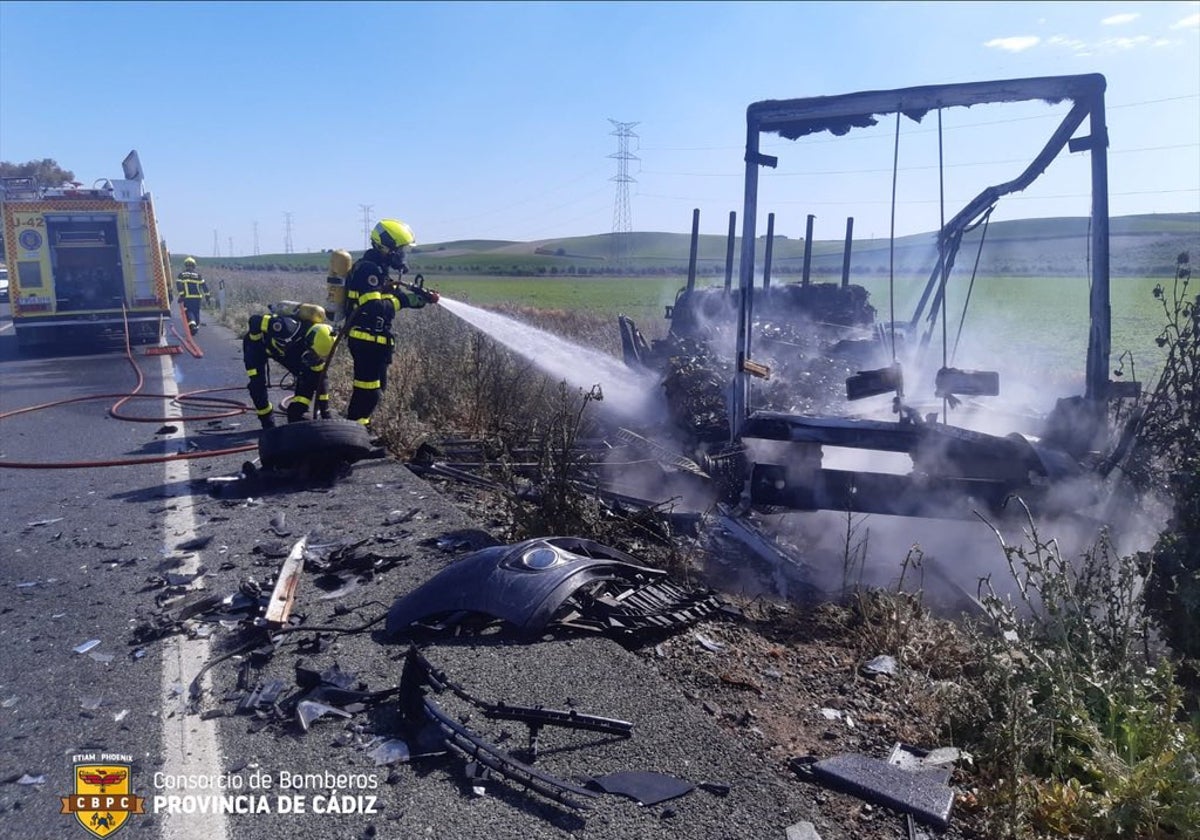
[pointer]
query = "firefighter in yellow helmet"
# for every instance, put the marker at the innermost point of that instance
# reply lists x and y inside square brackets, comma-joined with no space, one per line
[373,297]
[192,290]
[301,341]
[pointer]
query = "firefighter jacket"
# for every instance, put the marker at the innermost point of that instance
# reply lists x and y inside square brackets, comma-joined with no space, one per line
[373,298]
[288,341]
[189,285]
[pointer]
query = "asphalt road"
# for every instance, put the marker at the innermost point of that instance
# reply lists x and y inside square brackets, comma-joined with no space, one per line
[85,552]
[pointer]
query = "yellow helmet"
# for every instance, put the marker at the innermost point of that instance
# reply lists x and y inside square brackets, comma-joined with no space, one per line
[189,262]
[320,338]
[390,235]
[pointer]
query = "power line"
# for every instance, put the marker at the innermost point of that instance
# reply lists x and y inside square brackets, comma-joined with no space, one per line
[622,215]
[366,220]
[287,233]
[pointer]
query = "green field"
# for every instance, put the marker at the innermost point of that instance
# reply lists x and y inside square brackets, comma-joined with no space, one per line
[1028,309]
[1035,318]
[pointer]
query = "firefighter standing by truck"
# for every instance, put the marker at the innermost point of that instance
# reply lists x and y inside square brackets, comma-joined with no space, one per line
[372,299]
[192,291]
[296,336]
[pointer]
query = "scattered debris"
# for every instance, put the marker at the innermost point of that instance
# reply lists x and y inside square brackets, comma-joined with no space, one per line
[803,831]
[645,788]
[391,751]
[308,711]
[908,757]
[885,665]
[566,581]
[924,793]
[195,544]
[86,646]
[284,596]
[421,710]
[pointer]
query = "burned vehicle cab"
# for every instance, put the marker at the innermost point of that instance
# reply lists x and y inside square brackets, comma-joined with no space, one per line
[828,397]
[954,469]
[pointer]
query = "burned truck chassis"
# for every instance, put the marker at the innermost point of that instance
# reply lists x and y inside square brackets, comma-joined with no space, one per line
[955,471]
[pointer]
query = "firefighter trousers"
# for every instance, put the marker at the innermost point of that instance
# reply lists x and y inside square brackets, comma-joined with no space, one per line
[371,359]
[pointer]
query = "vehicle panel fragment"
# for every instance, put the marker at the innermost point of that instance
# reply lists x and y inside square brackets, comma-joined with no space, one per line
[568,581]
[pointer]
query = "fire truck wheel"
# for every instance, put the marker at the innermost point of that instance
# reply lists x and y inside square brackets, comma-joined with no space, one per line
[297,444]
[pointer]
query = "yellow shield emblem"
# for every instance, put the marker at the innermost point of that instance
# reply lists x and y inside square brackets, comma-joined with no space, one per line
[103,798]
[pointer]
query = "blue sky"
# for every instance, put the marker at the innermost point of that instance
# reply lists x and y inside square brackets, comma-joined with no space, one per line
[492,120]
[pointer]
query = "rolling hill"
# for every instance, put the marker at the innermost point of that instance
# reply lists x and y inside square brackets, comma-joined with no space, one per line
[1140,245]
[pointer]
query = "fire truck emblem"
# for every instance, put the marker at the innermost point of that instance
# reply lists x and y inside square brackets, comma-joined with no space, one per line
[103,799]
[30,240]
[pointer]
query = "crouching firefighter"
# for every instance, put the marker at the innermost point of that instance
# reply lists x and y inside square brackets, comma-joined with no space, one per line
[372,299]
[300,340]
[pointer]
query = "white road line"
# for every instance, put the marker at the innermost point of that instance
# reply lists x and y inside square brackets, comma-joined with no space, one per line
[190,745]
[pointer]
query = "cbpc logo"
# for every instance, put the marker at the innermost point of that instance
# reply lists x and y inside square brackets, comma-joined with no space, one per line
[103,799]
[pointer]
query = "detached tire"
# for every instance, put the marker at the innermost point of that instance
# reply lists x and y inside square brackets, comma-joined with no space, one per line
[314,441]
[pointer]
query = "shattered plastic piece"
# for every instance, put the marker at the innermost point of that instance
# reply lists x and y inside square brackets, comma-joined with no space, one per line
[335,587]
[195,544]
[41,522]
[86,646]
[802,831]
[717,788]
[308,710]
[396,517]
[335,676]
[102,658]
[91,703]
[922,793]
[390,752]
[831,714]
[881,665]
[909,757]
[646,788]
[26,779]
[9,702]
[708,644]
[120,716]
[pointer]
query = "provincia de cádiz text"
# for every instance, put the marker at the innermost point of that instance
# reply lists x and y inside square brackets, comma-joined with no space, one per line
[263,792]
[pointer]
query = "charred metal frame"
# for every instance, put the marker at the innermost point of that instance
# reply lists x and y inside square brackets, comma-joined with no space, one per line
[420,673]
[794,118]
